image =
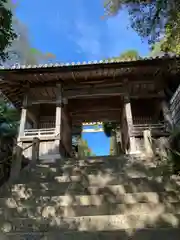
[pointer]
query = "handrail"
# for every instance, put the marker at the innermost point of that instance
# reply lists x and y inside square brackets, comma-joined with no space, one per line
[39,132]
[158,128]
[149,126]
[6,159]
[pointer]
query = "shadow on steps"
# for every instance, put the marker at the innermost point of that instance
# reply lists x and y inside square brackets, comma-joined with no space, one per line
[115,198]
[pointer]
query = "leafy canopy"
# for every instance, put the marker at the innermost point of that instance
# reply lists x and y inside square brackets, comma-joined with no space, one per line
[9,120]
[151,19]
[7,34]
[127,55]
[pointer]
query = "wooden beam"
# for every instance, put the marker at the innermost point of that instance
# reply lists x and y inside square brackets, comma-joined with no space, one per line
[74,113]
[94,92]
[95,103]
[88,84]
[97,116]
[43,102]
[146,95]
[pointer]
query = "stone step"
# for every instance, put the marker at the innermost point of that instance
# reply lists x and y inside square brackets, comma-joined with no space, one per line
[130,184]
[52,171]
[89,200]
[90,223]
[112,161]
[80,188]
[120,163]
[91,178]
[106,208]
[139,234]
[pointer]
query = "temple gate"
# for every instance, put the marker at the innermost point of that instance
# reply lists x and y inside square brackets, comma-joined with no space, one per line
[55,101]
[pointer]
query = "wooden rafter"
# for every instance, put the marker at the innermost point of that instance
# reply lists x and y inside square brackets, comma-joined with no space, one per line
[86,75]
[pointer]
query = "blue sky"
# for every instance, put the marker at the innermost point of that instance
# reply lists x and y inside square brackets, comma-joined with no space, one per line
[97,142]
[74,32]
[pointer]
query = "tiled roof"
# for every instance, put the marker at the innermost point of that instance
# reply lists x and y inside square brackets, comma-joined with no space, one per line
[160,56]
[15,78]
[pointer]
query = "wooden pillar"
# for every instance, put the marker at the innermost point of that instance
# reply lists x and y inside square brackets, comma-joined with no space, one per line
[17,150]
[23,118]
[35,151]
[148,143]
[69,126]
[16,163]
[66,132]
[58,118]
[129,119]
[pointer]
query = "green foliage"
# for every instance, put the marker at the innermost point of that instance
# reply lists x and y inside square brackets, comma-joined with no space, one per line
[127,55]
[9,120]
[83,149]
[130,54]
[151,19]
[157,48]
[7,34]
[20,50]
[109,127]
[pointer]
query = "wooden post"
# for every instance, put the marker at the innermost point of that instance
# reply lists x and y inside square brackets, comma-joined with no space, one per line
[148,143]
[35,151]
[67,127]
[16,163]
[17,150]
[58,118]
[23,118]
[129,119]
[22,123]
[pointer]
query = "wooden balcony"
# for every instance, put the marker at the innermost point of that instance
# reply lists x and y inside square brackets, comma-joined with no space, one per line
[157,130]
[40,133]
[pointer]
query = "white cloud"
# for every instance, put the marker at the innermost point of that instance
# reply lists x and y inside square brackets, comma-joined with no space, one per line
[88,39]
[92,38]
[87,35]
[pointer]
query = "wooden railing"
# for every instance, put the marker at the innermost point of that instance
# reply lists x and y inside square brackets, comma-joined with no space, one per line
[39,132]
[156,129]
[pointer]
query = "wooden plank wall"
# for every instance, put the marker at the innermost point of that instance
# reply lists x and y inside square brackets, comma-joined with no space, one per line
[175,107]
[46,149]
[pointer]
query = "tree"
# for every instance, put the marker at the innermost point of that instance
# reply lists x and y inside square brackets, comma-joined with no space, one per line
[156,48]
[152,19]
[9,120]
[127,55]
[7,34]
[21,51]
[83,149]
[130,54]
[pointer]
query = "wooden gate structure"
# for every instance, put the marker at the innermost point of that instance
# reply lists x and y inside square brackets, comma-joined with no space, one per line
[55,99]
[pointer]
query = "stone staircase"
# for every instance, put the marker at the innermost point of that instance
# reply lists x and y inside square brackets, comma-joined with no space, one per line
[97,198]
